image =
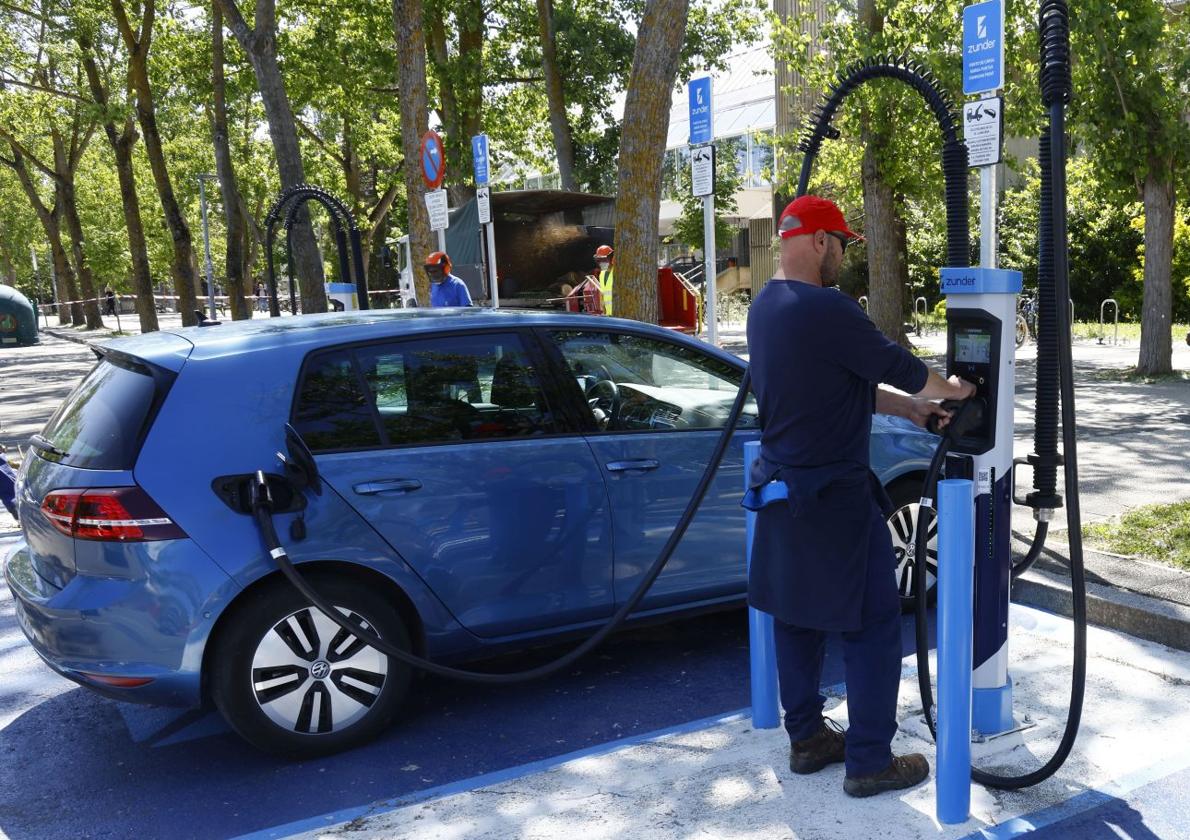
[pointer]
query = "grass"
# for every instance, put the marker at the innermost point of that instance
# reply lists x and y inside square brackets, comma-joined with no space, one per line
[1153,532]
[1130,374]
[1128,332]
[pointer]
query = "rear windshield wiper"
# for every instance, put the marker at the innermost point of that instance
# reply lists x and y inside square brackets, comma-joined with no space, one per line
[41,444]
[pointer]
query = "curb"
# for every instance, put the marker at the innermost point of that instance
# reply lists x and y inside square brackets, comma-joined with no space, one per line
[77,339]
[1137,615]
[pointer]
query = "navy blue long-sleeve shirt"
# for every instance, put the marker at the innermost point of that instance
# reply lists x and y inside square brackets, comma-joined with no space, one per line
[816,359]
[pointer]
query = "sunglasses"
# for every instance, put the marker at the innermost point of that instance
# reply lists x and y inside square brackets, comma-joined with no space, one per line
[843,240]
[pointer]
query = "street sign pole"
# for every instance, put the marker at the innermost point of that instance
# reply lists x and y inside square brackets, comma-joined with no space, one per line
[702,178]
[481,159]
[983,74]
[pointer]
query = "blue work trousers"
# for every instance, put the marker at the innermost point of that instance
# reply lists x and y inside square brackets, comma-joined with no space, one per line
[872,658]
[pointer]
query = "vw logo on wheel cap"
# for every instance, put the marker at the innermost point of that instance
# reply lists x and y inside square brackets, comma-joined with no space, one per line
[320,670]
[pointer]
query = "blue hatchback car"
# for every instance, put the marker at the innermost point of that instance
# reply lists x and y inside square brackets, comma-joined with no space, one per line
[490,480]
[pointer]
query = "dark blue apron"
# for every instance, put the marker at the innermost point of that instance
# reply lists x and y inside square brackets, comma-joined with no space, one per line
[810,550]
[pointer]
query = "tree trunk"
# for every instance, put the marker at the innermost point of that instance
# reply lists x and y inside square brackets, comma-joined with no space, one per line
[412,97]
[122,143]
[64,284]
[885,288]
[559,121]
[642,149]
[228,188]
[1156,330]
[460,86]
[184,260]
[261,46]
[82,271]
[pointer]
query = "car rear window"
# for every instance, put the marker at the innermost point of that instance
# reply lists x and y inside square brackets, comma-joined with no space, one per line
[101,424]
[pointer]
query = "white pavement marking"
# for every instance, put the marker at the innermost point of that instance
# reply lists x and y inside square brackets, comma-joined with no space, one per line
[730,781]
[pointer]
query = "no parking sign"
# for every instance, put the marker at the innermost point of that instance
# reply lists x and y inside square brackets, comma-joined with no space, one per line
[433,160]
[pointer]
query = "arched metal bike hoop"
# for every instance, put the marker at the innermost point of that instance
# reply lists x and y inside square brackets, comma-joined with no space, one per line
[1115,318]
[863,301]
[920,313]
[291,201]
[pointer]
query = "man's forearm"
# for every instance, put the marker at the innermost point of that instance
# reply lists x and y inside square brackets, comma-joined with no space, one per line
[937,388]
[890,402]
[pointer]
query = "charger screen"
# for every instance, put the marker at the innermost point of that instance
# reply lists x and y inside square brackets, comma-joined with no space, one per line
[973,346]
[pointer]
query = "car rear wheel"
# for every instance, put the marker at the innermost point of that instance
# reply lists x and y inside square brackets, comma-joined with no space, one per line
[292,682]
[902,525]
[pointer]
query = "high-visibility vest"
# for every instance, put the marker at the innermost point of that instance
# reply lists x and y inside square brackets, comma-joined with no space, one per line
[606,279]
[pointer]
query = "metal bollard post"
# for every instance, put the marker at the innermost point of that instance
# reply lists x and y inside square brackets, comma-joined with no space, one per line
[762,655]
[956,569]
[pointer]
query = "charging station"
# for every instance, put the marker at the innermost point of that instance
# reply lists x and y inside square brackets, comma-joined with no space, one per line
[980,348]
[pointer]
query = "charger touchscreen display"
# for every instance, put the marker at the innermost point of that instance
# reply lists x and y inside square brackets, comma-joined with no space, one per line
[973,346]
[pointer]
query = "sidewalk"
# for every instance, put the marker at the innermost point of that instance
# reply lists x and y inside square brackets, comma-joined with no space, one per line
[726,780]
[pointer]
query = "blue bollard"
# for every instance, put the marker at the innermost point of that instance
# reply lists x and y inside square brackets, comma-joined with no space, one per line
[956,571]
[762,653]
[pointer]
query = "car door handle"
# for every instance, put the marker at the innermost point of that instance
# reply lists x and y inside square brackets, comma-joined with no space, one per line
[635,465]
[392,485]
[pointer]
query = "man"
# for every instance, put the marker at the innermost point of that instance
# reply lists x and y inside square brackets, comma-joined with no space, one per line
[822,559]
[604,259]
[445,288]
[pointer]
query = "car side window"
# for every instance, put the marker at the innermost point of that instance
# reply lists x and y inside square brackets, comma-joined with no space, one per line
[449,389]
[332,410]
[637,383]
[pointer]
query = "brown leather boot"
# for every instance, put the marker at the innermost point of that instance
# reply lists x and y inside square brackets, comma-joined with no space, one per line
[822,748]
[905,771]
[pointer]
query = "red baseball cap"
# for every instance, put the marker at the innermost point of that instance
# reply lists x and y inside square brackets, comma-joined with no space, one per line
[810,214]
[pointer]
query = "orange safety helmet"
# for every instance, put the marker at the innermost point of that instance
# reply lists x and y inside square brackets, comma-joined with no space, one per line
[604,252]
[439,259]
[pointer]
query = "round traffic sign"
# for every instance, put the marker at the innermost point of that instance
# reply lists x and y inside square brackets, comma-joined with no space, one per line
[433,160]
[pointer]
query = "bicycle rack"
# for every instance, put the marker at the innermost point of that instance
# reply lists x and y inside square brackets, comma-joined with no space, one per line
[863,301]
[920,313]
[1116,318]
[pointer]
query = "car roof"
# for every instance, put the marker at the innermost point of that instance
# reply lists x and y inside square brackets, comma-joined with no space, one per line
[257,334]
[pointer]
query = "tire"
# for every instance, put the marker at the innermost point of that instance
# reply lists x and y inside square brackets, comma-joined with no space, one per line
[314,703]
[906,496]
[1022,330]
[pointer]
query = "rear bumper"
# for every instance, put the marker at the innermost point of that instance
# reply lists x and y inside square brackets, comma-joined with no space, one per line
[150,627]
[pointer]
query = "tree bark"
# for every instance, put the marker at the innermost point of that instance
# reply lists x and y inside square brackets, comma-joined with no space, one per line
[412,97]
[65,287]
[642,149]
[460,86]
[138,45]
[121,143]
[885,288]
[82,271]
[1156,330]
[228,187]
[260,44]
[559,121]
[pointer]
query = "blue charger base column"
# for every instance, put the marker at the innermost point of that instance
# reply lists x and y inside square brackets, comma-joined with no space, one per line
[992,710]
[762,655]
[956,586]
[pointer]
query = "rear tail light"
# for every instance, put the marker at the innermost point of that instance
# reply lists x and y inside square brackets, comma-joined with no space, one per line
[115,514]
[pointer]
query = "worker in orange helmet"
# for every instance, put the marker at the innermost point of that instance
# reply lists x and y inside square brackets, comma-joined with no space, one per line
[445,288]
[605,259]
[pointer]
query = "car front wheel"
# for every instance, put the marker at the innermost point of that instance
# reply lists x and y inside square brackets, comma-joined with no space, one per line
[902,526]
[292,682]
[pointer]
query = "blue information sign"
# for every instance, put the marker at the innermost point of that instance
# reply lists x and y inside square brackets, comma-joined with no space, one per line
[983,47]
[479,156]
[701,113]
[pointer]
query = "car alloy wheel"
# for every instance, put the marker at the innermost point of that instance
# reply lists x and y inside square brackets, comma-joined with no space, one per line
[902,527]
[311,676]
